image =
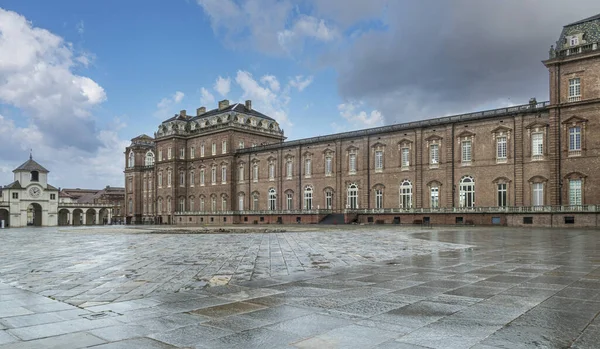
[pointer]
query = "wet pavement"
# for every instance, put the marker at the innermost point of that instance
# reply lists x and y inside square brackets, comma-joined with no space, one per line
[343,287]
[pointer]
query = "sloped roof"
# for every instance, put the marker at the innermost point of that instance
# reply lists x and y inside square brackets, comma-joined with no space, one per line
[31,165]
[593,18]
[51,187]
[13,185]
[237,107]
[143,137]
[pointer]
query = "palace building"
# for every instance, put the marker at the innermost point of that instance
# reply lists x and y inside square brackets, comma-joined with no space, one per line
[536,163]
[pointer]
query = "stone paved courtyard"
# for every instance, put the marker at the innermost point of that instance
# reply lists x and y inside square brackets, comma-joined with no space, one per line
[312,287]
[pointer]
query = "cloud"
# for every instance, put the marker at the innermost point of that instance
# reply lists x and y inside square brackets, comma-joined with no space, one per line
[300,82]
[223,86]
[356,118]
[265,97]
[80,27]
[166,105]
[305,27]
[206,98]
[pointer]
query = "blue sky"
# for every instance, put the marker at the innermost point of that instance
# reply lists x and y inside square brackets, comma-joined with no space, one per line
[79,79]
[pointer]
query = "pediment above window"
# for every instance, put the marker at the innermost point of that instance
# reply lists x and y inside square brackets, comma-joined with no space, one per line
[352,148]
[379,186]
[501,180]
[433,138]
[501,130]
[307,154]
[328,151]
[378,145]
[537,124]
[405,142]
[574,120]
[465,133]
[538,179]
[434,183]
[271,159]
[575,175]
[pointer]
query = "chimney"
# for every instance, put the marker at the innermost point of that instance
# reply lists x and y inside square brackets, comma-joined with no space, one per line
[200,111]
[182,113]
[249,104]
[223,104]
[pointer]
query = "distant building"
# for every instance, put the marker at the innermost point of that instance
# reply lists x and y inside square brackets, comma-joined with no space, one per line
[536,163]
[113,196]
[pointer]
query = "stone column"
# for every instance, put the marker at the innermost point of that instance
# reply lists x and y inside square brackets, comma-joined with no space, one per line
[97,217]
[83,217]
[109,216]
[69,217]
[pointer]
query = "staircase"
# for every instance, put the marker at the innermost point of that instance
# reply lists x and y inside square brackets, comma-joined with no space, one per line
[333,218]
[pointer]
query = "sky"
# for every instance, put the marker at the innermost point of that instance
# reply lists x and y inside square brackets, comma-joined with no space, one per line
[80,79]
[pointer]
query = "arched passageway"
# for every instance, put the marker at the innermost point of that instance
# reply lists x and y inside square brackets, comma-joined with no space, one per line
[34,215]
[103,217]
[5,216]
[90,217]
[63,217]
[77,218]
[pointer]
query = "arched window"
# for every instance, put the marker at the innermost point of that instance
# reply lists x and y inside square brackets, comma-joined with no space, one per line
[201,203]
[181,205]
[272,199]
[131,159]
[308,197]
[160,183]
[149,159]
[223,203]
[241,198]
[289,200]
[353,196]
[255,201]
[160,206]
[328,199]
[130,208]
[169,205]
[191,207]
[213,203]
[406,194]
[467,192]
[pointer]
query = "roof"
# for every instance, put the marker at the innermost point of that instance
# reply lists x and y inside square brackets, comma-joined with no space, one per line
[51,187]
[238,107]
[143,137]
[31,165]
[589,19]
[13,185]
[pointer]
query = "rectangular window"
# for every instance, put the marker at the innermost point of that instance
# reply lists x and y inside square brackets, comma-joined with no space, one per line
[201,205]
[160,154]
[15,195]
[169,179]
[170,153]
[181,205]
[181,179]
[214,148]
[52,196]
[466,151]
[255,173]
[405,157]
[434,153]
[501,149]
[435,197]
[160,180]
[289,169]
[575,192]
[575,139]
[537,145]
[192,152]
[502,195]
[352,163]
[378,199]
[192,178]
[202,150]
[378,160]
[271,172]
[538,194]
[182,153]
[241,173]
[202,177]
[191,208]
[574,90]
[241,202]
[224,147]
[307,168]
[213,177]
[223,175]
[241,145]
[289,201]
[328,166]
[574,40]
[223,204]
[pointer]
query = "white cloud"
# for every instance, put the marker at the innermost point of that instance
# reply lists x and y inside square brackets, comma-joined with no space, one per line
[166,105]
[264,98]
[357,119]
[206,98]
[300,82]
[306,27]
[223,86]
[80,27]
[272,81]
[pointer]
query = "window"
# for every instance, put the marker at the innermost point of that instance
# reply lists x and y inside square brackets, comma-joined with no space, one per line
[214,148]
[213,177]
[213,204]
[272,199]
[538,194]
[352,163]
[289,168]
[328,166]
[182,179]
[169,179]
[241,145]
[575,192]
[224,147]
[130,206]
[353,196]
[192,152]
[502,196]
[150,188]
[307,168]
[182,153]
[130,185]
[378,160]
[255,172]
[202,177]
[169,153]
[168,205]
[223,174]
[406,194]
[192,179]
[149,159]
[405,154]
[328,199]
[308,197]
[35,176]
[271,172]
[501,149]
[467,192]
[241,173]
[181,205]
[537,145]
[241,202]
[575,139]
[52,196]
[131,159]
[160,207]
[160,155]
[253,145]
[202,150]
[160,183]
[201,204]
[223,203]
[378,199]
[574,90]
[289,201]
[574,40]
[191,208]
[435,197]
[434,154]
[466,151]
[255,202]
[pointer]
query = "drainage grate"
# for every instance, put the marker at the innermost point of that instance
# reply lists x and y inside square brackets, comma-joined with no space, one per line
[99,315]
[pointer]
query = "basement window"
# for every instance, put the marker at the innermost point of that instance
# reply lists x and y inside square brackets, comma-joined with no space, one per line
[527,220]
[569,220]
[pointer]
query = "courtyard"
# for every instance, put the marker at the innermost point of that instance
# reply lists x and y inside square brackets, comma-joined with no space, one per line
[305,287]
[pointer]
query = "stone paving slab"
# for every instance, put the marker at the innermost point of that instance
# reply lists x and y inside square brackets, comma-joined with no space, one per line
[477,288]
